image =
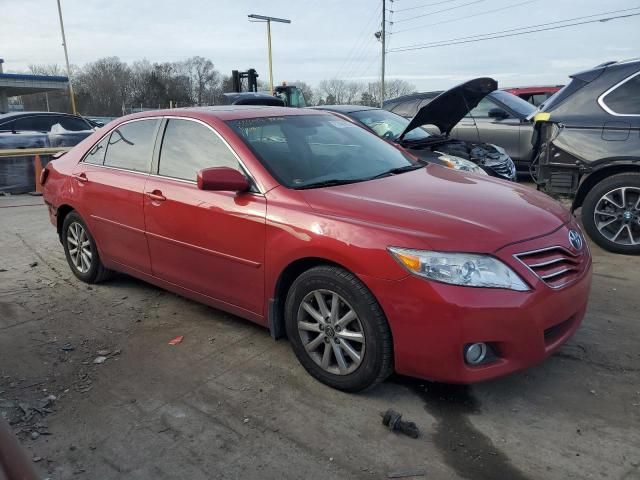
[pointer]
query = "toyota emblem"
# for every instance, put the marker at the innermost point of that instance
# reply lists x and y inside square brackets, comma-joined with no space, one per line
[575,239]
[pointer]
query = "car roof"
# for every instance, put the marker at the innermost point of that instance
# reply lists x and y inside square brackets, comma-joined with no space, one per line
[225,112]
[344,108]
[13,115]
[413,96]
[533,89]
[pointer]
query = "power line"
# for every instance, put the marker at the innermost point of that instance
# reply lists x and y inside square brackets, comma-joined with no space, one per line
[424,5]
[486,37]
[439,11]
[360,56]
[357,47]
[486,12]
[531,26]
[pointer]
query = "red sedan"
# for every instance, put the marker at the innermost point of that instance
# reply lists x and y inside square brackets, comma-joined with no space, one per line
[366,258]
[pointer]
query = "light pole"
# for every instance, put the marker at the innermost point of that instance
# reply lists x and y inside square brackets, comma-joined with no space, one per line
[262,18]
[66,57]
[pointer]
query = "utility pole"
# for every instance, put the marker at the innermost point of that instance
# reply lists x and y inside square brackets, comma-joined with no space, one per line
[262,18]
[66,57]
[384,36]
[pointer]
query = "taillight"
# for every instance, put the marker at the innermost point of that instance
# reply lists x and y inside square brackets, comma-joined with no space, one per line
[43,175]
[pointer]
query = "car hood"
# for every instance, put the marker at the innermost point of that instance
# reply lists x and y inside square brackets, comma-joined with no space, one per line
[443,209]
[448,108]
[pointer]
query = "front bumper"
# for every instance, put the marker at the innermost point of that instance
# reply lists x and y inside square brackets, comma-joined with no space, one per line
[432,322]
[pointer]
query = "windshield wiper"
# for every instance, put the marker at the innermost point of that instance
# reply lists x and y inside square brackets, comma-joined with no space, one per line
[330,183]
[397,170]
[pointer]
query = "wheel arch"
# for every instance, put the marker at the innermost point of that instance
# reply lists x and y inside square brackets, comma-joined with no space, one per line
[595,177]
[286,278]
[61,213]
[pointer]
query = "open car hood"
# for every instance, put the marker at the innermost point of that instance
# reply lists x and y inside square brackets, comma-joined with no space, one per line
[448,108]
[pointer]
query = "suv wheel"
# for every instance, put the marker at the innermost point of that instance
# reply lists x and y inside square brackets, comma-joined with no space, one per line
[80,250]
[611,213]
[338,331]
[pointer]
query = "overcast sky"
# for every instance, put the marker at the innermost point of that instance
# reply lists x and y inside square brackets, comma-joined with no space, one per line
[328,38]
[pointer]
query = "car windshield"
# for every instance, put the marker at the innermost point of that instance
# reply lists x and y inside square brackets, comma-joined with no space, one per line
[306,151]
[518,105]
[388,125]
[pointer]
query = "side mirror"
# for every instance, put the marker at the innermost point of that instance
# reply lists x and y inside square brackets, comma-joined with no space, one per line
[498,114]
[222,179]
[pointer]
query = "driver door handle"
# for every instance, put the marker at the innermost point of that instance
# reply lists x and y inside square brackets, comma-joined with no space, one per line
[156,196]
[81,177]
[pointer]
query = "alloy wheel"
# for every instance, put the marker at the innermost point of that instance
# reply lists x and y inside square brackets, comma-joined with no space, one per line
[617,216]
[79,247]
[331,332]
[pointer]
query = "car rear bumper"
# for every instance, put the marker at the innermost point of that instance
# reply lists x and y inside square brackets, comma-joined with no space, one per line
[431,324]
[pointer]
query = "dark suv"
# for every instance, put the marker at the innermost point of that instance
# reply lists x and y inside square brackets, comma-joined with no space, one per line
[587,146]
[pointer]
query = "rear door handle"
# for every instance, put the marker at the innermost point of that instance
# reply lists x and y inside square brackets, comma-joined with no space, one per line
[81,177]
[156,195]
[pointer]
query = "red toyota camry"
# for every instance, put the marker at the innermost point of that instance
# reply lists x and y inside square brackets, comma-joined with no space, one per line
[368,259]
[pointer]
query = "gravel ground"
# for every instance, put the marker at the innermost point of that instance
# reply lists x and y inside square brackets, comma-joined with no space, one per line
[230,402]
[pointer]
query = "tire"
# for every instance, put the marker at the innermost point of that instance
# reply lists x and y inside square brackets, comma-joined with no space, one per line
[609,223]
[355,324]
[86,265]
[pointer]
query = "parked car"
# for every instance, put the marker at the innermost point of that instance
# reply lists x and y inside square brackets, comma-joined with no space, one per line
[367,259]
[34,130]
[440,148]
[500,118]
[588,147]
[252,98]
[534,95]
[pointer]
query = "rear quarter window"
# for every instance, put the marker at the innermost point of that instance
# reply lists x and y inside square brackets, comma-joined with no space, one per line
[624,99]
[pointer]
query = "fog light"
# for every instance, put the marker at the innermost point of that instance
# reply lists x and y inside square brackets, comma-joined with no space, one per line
[475,353]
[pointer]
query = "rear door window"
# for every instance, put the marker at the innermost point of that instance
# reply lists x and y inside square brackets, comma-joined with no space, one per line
[73,124]
[131,145]
[188,147]
[625,99]
[36,123]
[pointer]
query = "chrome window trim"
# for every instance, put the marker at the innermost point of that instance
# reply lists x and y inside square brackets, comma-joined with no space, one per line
[149,173]
[606,108]
[235,154]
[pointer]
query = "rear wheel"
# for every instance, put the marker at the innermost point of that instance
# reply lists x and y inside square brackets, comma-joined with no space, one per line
[80,250]
[611,213]
[338,330]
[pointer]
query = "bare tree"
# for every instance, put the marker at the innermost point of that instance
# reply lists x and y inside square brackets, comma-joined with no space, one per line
[103,86]
[204,79]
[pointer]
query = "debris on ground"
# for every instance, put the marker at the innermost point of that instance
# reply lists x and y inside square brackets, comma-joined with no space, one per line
[100,359]
[393,420]
[177,340]
[68,347]
[415,472]
[33,264]
[103,353]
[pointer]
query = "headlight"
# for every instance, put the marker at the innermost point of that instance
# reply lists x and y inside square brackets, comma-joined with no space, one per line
[458,163]
[467,269]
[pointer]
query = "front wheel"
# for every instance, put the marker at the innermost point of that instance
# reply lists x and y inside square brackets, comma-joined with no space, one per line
[80,250]
[611,213]
[338,331]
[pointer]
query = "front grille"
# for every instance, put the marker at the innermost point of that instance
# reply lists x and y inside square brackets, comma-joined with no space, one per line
[555,266]
[504,169]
